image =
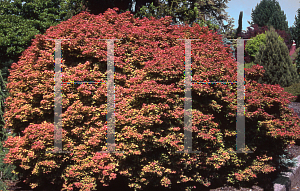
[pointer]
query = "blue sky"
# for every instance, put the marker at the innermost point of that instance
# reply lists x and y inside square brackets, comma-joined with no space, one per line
[235,6]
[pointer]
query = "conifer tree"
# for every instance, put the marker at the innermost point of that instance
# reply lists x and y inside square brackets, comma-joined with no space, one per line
[278,21]
[269,13]
[275,59]
[253,45]
[240,27]
[292,31]
[297,62]
[297,29]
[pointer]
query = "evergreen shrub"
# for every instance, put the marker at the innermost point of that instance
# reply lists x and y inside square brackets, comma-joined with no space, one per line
[149,108]
[253,45]
[274,57]
[255,30]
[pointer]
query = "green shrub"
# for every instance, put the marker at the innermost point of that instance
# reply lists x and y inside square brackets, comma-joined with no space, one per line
[252,46]
[275,59]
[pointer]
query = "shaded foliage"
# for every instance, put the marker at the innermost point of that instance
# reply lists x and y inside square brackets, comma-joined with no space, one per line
[5,169]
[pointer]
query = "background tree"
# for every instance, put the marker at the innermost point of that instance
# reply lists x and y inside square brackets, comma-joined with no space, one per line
[286,36]
[255,30]
[22,20]
[240,27]
[297,62]
[71,8]
[292,32]
[16,34]
[123,5]
[204,12]
[296,29]
[230,43]
[275,59]
[294,55]
[269,13]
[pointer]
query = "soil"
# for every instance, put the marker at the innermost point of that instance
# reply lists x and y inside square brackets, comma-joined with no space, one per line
[263,182]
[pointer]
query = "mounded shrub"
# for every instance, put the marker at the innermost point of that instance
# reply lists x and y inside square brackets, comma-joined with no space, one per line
[274,57]
[149,108]
[255,30]
[252,47]
[252,31]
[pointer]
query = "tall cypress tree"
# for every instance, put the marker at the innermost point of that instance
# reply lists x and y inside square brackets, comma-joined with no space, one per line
[240,27]
[274,57]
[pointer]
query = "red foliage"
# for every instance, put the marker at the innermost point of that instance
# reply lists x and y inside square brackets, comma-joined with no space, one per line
[286,37]
[254,30]
[149,107]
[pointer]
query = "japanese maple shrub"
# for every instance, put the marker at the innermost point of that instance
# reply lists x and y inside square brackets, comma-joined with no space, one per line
[149,108]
